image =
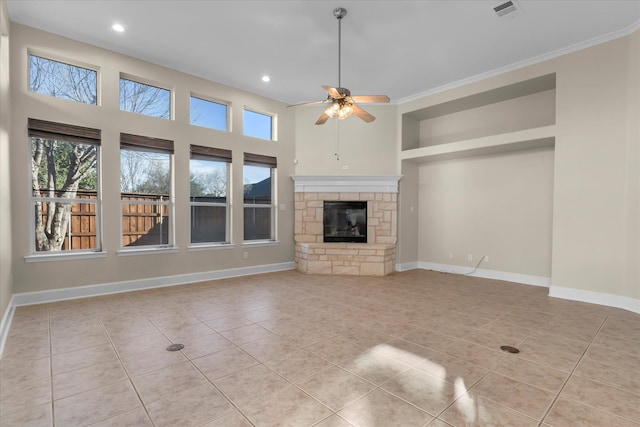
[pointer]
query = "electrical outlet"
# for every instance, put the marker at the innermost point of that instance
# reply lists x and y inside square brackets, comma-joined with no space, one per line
[345,167]
[469,257]
[486,258]
[245,255]
[450,255]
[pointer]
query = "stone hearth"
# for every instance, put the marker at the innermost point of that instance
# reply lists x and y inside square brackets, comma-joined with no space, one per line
[376,257]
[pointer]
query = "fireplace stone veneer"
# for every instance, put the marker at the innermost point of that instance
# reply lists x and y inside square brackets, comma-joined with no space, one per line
[377,257]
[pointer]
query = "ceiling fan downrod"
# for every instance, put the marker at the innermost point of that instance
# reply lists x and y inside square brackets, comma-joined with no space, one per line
[339,13]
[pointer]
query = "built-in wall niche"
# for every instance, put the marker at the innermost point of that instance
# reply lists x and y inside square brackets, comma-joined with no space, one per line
[517,112]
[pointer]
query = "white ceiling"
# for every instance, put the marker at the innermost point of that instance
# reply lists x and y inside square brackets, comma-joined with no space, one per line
[402,49]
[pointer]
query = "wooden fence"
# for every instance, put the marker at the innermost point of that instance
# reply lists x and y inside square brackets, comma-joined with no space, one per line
[146,222]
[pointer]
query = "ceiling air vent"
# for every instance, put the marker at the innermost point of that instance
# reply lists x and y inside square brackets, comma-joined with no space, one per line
[507,9]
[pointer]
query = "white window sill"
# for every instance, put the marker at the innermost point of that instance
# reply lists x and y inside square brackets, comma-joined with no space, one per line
[147,251]
[210,247]
[255,243]
[64,256]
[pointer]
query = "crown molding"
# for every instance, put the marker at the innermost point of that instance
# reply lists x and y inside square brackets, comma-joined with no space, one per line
[525,63]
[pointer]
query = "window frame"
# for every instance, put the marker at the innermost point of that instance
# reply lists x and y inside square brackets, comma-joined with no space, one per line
[65,61]
[144,143]
[76,135]
[147,82]
[272,163]
[227,105]
[198,152]
[272,116]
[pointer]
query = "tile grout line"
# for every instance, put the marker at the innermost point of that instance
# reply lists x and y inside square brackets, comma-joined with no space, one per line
[492,370]
[53,414]
[553,402]
[126,371]
[210,381]
[469,391]
[348,295]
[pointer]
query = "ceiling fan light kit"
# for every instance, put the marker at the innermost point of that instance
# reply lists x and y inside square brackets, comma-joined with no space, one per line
[342,104]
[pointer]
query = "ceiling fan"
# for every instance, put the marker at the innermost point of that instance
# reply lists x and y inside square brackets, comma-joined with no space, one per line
[341,103]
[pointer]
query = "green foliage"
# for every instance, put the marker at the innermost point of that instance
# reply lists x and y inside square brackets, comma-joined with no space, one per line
[65,165]
[157,180]
[211,184]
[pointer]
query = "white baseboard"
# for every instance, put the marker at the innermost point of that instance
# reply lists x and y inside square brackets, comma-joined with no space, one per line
[487,274]
[610,300]
[30,298]
[5,324]
[619,301]
[407,266]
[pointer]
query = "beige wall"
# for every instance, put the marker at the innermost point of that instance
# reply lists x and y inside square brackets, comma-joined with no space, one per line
[497,205]
[633,171]
[365,148]
[596,177]
[35,276]
[593,142]
[5,178]
[524,112]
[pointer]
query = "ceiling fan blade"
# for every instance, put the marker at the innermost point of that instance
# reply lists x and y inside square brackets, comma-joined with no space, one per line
[333,92]
[382,99]
[322,119]
[362,114]
[304,104]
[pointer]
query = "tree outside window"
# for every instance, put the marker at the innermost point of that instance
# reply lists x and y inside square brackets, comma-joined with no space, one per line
[65,186]
[209,170]
[60,80]
[146,191]
[208,114]
[144,99]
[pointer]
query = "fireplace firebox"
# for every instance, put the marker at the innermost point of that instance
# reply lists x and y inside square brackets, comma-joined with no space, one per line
[345,221]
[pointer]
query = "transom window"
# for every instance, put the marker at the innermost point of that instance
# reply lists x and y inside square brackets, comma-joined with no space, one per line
[144,99]
[146,191]
[258,125]
[208,114]
[259,203]
[65,193]
[209,194]
[61,80]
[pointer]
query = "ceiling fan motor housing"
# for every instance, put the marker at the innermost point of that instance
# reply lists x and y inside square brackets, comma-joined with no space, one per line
[339,12]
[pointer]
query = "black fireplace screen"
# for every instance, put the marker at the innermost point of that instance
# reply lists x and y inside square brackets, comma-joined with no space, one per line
[345,221]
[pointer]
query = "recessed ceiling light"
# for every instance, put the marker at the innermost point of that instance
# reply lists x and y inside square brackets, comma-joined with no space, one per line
[266,79]
[118,27]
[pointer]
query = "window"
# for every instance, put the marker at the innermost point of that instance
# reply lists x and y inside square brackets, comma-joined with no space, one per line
[208,114]
[61,80]
[146,191]
[209,170]
[144,99]
[258,125]
[65,195]
[259,212]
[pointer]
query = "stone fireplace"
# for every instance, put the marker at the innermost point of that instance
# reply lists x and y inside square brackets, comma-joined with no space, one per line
[376,255]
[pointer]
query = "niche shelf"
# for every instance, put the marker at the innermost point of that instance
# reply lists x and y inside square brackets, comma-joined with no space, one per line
[519,140]
[516,116]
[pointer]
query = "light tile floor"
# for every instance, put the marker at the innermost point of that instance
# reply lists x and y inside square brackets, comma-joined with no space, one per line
[285,349]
